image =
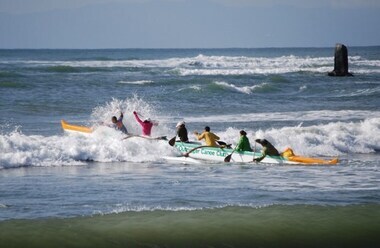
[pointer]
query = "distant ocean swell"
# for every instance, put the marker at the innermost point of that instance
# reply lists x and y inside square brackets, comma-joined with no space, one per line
[208,65]
[11,84]
[72,69]
[273,226]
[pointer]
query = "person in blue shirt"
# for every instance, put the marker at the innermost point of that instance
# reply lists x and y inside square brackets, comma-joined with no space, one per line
[118,123]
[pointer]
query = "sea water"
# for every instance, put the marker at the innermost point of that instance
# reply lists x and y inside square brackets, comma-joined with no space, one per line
[100,190]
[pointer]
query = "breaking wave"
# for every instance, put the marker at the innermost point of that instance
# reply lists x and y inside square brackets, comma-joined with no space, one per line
[107,145]
[214,65]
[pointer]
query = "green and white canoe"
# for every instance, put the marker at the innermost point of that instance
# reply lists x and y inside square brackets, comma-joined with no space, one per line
[195,150]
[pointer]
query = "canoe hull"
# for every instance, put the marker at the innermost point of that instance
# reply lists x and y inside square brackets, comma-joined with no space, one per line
[196,151]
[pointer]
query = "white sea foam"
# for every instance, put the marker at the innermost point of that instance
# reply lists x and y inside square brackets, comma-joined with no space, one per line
[320,115]
[142,82]
[172,208]
[346,131]
[330,139]
[103,114]
[192,87]
[226,65]
[104,145]
[360,92]
[244,89]
[107,145]
[303,88]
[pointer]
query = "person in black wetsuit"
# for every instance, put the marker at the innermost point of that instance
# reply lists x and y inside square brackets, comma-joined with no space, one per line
[182,131]
[268,149]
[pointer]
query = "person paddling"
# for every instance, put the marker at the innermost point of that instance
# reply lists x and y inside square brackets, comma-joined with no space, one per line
[118,123]
[243,144]
[146,125]
[268,149]
[209,137]
[182,131]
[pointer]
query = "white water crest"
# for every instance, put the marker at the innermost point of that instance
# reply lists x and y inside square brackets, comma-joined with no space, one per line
[103,145]
[331,139]
[107,145]
[318,115]
[191,87]
[223,65]
[344,132]
[242,89]
[359,92]
[102,114]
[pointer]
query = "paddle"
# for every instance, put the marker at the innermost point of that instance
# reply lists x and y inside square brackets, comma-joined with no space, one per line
[172,141]
[228,158]
[223,144]
[254,154]
[157,138]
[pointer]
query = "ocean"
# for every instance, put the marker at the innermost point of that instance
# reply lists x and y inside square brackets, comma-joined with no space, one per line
[99,190]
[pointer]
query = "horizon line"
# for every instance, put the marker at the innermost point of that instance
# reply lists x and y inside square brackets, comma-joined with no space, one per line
[187,48]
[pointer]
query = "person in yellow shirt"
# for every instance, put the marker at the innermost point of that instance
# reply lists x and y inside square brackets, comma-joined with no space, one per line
[209,137]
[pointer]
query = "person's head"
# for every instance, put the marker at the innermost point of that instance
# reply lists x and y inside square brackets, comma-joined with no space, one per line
[114,119]
[147,120]
[207,128]
[180,124]
[243,133]
[262,142]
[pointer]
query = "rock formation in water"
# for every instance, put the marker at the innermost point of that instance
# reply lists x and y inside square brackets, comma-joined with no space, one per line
[340,62]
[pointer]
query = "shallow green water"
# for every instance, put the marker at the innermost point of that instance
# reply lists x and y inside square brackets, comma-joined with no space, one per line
[272,226]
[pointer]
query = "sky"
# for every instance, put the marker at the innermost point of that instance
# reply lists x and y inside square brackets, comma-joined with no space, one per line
[93,24]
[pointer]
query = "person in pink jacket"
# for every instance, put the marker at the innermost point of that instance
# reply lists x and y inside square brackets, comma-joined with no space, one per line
[146,125]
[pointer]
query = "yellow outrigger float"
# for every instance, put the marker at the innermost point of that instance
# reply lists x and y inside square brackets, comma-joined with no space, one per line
[75,128]
[87,130]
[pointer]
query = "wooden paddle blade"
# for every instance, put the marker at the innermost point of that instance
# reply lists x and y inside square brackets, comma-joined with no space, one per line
[221,143]
[172,141]
[228,158]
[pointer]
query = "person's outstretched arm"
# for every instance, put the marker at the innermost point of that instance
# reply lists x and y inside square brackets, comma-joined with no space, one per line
[137,117]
